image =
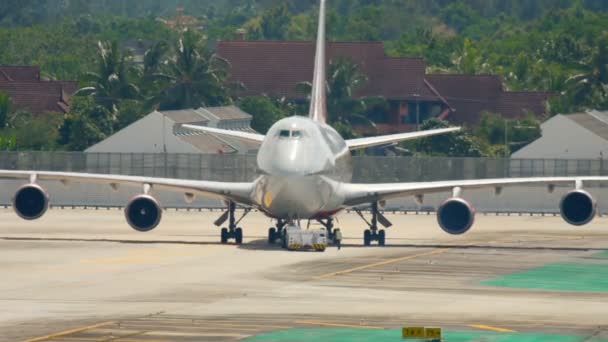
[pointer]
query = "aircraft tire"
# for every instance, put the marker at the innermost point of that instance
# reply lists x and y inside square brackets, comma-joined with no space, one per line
[239,236]
[382,238]
[272,236]
[367,237]
[224,236]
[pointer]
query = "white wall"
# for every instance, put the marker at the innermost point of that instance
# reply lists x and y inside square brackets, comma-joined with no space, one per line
[564,139]
[145,136]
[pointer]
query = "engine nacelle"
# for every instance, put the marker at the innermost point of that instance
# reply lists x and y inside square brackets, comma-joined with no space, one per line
[31,202]
[456,216]
[578,207]
[143,213]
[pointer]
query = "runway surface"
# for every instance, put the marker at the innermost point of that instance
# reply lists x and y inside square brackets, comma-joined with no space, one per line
[80,275]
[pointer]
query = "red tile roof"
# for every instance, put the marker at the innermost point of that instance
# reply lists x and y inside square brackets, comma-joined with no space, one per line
[518,104]
[275,68]
[19,73]
[39,97]
[471,95]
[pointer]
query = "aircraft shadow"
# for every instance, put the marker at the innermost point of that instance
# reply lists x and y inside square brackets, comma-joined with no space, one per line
[262,244]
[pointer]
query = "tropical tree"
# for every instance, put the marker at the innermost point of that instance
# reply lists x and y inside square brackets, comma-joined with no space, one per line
[193,77]
[111,83]
[470,60]
[264,111]
[590,88]
[345,108]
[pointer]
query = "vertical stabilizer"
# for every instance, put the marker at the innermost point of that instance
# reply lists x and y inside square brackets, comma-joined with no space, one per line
[318,100]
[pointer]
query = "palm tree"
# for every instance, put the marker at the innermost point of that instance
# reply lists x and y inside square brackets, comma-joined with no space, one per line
[110,84]
[193,77]
[591,86]
[345,109]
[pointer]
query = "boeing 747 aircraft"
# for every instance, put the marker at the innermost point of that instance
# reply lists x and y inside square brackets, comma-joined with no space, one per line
[305,173]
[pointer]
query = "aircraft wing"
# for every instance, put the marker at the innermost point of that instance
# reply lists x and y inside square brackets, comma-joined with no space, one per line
[355,144]
[357,194]
[249,137]
[238,192]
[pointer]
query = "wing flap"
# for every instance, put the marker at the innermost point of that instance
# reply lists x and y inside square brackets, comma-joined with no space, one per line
[360,143]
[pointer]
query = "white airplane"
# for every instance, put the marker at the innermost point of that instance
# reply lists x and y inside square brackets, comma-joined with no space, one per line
[305,173]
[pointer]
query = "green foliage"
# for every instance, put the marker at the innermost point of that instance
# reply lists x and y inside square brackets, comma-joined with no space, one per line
[345,108]
[5,109]
[8,141]
[193,76]
[519,133]
[460,144]
[37,134]
[264,111]
[274,22]
[548,45]
[87,124]
[111,82]
[67,49]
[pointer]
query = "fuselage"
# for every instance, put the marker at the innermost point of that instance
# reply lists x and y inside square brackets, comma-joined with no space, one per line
[302,164]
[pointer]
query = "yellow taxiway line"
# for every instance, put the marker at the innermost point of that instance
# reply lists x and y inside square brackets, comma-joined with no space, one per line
[69,332]
[381,263]
[491,328]
[338,325]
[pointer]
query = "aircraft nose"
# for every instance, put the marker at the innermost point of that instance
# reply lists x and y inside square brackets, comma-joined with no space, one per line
[290,159]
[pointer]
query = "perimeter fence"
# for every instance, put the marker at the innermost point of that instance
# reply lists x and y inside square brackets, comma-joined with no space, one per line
[242,168]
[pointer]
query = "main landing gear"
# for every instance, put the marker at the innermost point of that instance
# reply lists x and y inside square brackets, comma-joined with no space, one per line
[275,233]
[373,234]
[233,232]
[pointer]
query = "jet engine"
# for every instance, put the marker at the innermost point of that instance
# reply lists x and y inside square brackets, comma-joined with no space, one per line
[31,202]
[143,213]
[578,208]
[456,216]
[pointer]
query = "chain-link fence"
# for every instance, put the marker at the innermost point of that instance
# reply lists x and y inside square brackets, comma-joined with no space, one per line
[240,168]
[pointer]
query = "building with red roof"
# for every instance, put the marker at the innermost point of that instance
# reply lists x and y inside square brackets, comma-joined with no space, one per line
[28,92]
[274,68]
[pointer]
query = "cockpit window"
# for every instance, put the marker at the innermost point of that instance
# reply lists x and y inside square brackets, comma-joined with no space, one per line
[286,134]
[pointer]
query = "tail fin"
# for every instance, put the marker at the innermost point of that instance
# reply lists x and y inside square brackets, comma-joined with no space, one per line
[318,100]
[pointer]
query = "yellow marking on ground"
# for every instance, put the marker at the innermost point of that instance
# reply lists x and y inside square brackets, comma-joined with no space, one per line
[198,324]
[491,328]
[97,339]
[381,263]
[69,332]
[136,340]
[205,326]
[339,325]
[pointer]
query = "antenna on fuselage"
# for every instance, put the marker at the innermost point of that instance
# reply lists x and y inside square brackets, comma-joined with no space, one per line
[318,99]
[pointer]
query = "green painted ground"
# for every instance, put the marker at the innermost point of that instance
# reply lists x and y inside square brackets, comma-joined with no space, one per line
[558,277]
[357,335]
